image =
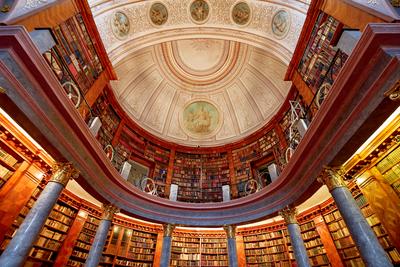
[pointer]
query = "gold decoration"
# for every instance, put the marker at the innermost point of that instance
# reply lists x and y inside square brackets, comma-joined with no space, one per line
[2,90]
[289,215]
[108,212]
[5,9]
[168,229]
[230,231]
[332,178]
[394,92]
[241,13]
[63,172]
[158,14]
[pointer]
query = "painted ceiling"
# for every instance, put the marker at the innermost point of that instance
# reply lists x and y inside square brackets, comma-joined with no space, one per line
[200,72]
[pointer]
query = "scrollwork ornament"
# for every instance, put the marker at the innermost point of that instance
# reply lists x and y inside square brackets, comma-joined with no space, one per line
[289,215]
[108,212]
[63,172]
[230,231]
[168,229]
[332,178]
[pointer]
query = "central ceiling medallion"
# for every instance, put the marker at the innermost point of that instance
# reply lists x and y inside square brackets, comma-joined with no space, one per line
[158,14]
[199,11]
[201,119]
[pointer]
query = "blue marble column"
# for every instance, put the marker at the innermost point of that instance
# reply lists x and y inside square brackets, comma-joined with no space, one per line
[367,243]
[17,250]
[166,245]
[100,238]
[232,250]
[299,249]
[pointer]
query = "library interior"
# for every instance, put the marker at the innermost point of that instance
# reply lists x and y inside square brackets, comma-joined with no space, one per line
[240,133]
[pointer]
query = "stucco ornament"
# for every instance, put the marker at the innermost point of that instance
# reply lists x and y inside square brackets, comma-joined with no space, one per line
[158,14]
[241,13]
[120,25]
[199,11]
[281,23]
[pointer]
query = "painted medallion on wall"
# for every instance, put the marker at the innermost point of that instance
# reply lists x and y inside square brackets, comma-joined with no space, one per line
[158,14]
[199,11]
[120,25]
[201,119]
[241,13]
[281,23]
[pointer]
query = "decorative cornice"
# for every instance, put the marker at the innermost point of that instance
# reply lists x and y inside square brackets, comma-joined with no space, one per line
[289,215]
[63,172]
[230,231]
[168,229]
[332,178]
[108,212]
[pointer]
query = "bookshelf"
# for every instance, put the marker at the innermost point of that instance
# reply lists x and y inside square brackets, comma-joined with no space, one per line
[191,249]
[84,241]
[109,119]
[200,177]
[313,243]
[136,248]
[74,54]
[111,246]
[8,165]
[160,156]
[266,247]
[344,242]
[389,167]
[243,157]
[321,61]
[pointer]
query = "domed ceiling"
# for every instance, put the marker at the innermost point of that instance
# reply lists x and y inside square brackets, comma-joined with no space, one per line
[200,72]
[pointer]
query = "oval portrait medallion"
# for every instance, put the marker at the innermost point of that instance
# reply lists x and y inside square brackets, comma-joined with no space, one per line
[201,119]
[120,25]
[241,13]
[158,14]
[199,11]
[281,23]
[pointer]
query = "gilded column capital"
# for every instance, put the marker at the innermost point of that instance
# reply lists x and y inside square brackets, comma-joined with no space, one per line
[168,229]
[108,212]
[332,178]
[289,214]
[230,231]
[63,172]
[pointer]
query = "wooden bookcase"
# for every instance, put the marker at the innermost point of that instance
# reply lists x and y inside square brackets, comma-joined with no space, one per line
[84,241]
[243,157]
[9,162]
[389,167]
[344,242]
[321,61]
[315,248]
[109,119]
[200,177]
[192,249]
[129,246]
[160,156]
[267,247]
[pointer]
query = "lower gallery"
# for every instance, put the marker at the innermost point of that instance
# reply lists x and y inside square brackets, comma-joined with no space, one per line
[199,133]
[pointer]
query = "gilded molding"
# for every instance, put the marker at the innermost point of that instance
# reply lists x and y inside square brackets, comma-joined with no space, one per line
[63,172]
[332,178]
[394,92]
[108,212]
[230,231]
[289,215]
[168,229]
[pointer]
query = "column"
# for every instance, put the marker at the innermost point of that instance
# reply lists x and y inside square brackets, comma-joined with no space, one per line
[232,250]
[371,250]
[18,248]
[300,252]
[166,245]
[96,249]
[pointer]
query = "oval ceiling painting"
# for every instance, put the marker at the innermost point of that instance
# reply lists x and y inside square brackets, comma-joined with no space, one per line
[201,119]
